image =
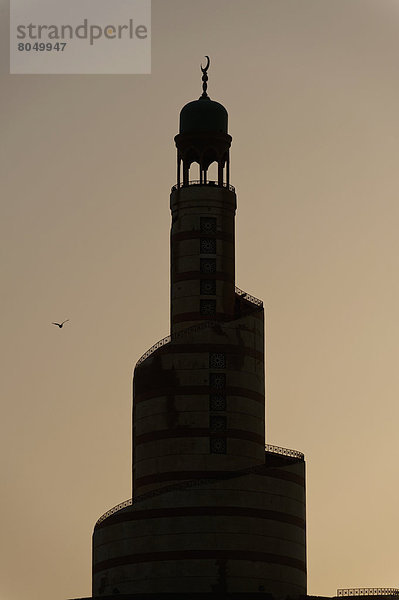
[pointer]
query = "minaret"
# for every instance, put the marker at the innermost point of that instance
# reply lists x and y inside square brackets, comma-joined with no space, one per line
[203,213]
[213,511]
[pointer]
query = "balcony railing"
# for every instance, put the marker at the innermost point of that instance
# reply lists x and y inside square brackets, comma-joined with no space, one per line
[284,451]
[177,186]
[176,336]
[114,509]
[198,482]
[248,297]
[204,325]
[165,340]
[368,592]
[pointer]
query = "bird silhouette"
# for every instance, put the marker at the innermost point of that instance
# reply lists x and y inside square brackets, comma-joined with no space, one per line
[60,324]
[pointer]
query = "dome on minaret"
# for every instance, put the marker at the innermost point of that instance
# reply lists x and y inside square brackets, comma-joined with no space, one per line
[203,115]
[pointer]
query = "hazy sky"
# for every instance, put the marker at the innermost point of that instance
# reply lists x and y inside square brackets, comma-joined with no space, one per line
[87,162]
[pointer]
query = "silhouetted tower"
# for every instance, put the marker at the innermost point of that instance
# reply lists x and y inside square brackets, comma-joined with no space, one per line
[213,511]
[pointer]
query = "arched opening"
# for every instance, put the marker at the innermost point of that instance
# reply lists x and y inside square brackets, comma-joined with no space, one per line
[194,172]
[212,173]
[202,166]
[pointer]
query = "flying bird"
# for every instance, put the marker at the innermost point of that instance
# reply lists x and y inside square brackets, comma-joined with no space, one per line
[60,324]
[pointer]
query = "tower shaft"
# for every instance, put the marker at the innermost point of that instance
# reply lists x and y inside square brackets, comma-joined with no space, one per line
[202,255]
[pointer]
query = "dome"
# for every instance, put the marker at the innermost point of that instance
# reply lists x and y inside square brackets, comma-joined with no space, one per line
[203,115]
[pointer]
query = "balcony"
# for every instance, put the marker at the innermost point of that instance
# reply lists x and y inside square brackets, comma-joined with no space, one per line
[198,182]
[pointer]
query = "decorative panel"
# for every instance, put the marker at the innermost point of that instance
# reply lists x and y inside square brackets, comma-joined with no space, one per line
[217,380]
[217,423]
[208,265]
[218,445]
[217,402]
[217,360]
[208,287]
[207,246]
[208,224]
[207,307]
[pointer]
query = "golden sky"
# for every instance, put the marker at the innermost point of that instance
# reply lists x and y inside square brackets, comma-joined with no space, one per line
[87,162]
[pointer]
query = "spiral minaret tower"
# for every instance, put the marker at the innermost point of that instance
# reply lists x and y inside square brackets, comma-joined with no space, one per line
[213,511]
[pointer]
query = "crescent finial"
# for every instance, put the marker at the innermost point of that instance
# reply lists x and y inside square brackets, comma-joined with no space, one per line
[205,77]
[208,62]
